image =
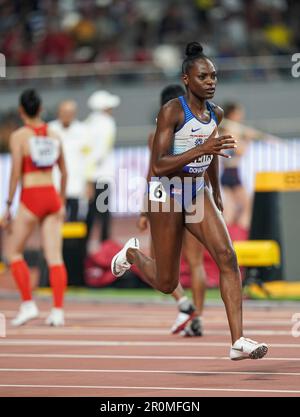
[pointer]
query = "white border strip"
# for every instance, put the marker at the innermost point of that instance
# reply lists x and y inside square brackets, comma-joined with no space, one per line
[73,342]
[132,331]
[140,357]
[148,371]
[107,387]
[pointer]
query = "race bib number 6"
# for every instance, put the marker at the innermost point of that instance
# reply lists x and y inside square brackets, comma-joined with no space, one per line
[44,151]
[157,192]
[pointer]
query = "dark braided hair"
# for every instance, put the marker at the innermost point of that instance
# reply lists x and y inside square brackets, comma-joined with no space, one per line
[31,102]
[193,51]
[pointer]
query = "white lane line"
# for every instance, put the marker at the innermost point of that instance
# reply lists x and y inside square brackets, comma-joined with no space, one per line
[88,331]
[107,387]
[135,357]
[71,342]
[129,330]
[155,317]
[148,371]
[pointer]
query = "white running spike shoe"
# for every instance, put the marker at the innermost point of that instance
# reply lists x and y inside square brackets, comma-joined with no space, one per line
[56,317]
[185,315]
[247,349]
[181,321]
[28,311]
[193,328]
[119,263]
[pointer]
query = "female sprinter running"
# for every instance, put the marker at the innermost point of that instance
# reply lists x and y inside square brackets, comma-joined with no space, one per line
[35,150]
[186,144]
[189,318]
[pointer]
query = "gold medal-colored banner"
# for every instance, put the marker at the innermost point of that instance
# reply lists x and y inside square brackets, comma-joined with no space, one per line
[277,181]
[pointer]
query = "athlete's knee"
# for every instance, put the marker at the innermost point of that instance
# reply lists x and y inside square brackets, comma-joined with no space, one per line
[168,287]
[54,260]
[195,262]
[12,253]
[227,259]
[14,257]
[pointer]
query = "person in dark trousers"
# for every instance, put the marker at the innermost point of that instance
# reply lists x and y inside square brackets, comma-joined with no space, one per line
[101,128]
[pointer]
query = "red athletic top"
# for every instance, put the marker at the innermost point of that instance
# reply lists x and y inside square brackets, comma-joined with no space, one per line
[28,165]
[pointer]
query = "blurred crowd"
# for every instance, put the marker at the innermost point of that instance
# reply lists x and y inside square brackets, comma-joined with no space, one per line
[36,32]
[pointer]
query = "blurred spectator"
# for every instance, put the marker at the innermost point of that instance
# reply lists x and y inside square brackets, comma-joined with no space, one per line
[278,35]
[27,55]
[171,26]
[9,122]
[101,127]
[203,9]
[142,52]
[11,41]
[75,144]
[237,204]
[167,57]
[111,52]
[84,31]
[235,24]
[56,46]
[8,17]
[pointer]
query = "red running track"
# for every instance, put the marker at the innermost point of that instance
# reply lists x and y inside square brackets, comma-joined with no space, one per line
[126,350]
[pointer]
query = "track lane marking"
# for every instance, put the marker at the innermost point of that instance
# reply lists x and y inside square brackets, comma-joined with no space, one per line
[138,357]
[148,371]
[107,387]
[74,342]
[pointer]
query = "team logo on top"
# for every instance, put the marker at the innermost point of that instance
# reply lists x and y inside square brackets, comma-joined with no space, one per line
[198,141]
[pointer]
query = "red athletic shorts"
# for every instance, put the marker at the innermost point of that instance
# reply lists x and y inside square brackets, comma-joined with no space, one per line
[41,201]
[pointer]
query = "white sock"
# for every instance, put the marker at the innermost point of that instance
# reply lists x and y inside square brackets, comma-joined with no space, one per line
[182,300]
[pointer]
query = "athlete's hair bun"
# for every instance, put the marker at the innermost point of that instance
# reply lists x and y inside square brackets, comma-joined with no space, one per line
[31,102]
[193,49]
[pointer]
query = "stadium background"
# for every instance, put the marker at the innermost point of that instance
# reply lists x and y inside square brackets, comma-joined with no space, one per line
[117,341]
[68,49]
